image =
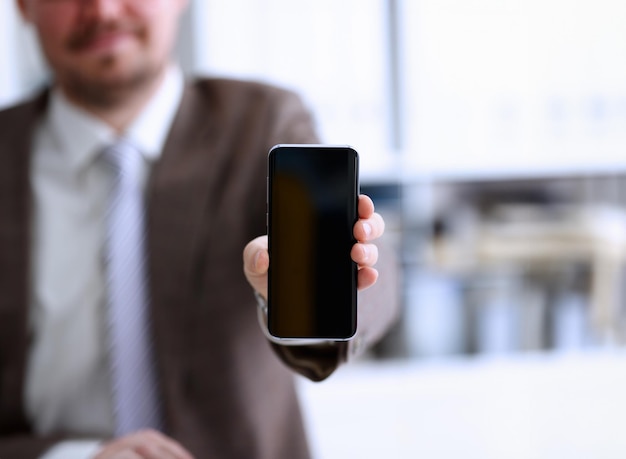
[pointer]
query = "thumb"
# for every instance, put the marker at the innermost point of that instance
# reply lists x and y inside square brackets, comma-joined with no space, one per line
[256,262]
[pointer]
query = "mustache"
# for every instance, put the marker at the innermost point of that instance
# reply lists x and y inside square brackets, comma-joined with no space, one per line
[90,32]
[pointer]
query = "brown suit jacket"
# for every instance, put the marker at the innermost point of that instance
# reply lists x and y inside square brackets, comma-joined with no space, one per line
[225,392]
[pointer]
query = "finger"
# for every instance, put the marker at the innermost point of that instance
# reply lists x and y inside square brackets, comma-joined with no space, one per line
[366,277]
[370,228]
[174,450]
[168,449]
[108,453]
[366,206]
[364,254]
[136,454]
[126,454]
[144,444]
[177,450]
[124,447]
[119,448]
[256,262]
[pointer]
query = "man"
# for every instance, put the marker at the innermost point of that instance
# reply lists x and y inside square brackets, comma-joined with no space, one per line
[224,390]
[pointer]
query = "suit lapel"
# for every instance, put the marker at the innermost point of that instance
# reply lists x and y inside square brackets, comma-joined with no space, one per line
[18,126]
[177,193]
[180,192]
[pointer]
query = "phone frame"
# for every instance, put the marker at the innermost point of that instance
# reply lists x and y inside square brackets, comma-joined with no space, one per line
[296,340]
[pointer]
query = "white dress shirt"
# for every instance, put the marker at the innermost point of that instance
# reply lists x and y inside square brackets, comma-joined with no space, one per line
[67,384]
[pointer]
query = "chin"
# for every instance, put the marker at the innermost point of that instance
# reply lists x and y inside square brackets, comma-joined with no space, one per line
[110,85]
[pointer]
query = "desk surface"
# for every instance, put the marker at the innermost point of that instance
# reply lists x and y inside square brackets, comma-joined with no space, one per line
[566,406]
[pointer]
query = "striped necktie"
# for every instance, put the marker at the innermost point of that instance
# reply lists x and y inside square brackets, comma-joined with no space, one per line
[133,378]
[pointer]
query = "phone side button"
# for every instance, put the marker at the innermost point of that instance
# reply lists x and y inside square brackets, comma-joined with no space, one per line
[267,221]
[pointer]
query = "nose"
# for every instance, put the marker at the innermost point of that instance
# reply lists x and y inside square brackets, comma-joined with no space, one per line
[102,9]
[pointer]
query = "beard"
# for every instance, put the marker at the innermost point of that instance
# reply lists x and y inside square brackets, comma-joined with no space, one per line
[109,87]
[109,79]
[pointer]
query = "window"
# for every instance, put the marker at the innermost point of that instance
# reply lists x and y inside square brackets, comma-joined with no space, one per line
[514,87]
[422,88]
[335,54]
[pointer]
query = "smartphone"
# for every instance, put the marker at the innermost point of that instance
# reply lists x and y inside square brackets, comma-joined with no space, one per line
[312,208]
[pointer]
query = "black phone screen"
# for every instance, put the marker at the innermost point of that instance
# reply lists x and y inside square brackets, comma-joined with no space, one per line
[312,208]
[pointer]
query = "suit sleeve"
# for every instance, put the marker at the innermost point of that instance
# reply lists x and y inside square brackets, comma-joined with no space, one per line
[34,447]
[378,305]
[25,446]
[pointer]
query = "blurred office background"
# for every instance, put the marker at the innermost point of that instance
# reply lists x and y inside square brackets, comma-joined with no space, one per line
[492,136]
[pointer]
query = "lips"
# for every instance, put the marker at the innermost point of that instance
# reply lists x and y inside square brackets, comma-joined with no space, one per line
[101,38]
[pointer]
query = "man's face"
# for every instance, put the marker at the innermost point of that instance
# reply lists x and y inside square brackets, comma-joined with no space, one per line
[95,46]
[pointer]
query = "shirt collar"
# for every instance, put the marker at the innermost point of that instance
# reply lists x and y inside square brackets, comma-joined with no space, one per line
[149,130]
[81,136]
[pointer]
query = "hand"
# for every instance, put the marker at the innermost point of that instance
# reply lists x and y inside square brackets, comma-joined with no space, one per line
[369,227]
[144,444]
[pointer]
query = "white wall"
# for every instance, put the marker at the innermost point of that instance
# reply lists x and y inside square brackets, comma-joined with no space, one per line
[505,87]
[487,87]
[335,54]
[22,67]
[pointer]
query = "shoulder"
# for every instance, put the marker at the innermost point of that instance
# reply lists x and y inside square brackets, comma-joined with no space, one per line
[237,93]
[239,87]
[19,119]
[246,111]
[33,104]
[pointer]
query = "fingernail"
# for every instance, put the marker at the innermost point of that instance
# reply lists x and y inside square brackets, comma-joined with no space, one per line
[257,256]
[366,253]
[367,228]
